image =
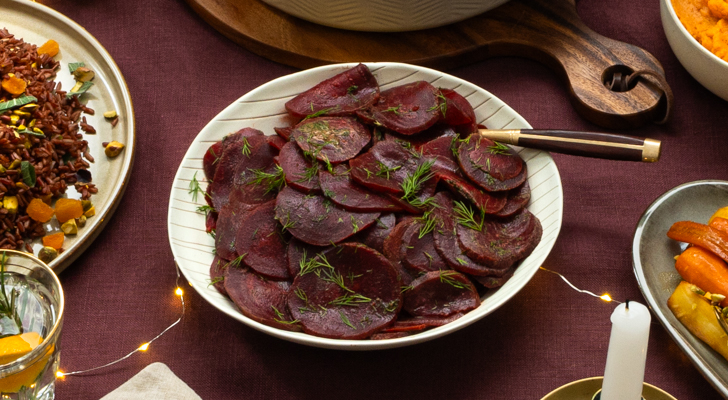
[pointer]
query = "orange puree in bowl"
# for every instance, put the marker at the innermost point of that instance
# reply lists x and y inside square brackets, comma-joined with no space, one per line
[707,22]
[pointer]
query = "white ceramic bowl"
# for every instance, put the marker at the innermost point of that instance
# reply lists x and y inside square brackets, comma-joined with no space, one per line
[384,15]
[263,108]
[704,66]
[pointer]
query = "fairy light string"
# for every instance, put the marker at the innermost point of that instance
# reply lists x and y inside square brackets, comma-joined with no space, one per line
[606,297]
[145,346]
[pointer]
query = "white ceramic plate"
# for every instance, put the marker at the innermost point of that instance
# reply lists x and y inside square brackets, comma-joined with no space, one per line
[654,265]
[263,108]
[36,23]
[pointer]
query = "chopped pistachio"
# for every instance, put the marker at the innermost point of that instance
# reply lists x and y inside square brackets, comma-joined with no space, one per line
[47,254]
[81,221]
[2,169]
[716,298]
[76,87]
[21,127]
[10,203]
[21,113]
[697,290]
[15,164]
[90,212]
[83,74]
[69,227]
[110,114]
[29,107]
[113,149]
[32,123]
[86,204]
[14,119]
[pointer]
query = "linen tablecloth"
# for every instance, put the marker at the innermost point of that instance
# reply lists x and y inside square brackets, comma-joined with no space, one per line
[181,72]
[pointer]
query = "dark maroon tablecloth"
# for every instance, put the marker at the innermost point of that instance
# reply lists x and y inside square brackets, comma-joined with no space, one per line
[181,73]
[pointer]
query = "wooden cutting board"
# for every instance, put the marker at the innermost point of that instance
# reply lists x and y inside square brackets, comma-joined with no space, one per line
[549,31]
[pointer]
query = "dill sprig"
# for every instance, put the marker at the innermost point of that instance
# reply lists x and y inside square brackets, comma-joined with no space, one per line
[287,224]
[314,264]
[195,188]
[354,224]
[441,104]
[345,320]
[349,299]
[499,148]
[320,112]
[280,317]
[8,306]
[385,170]
[429,221]
[466,216]
[394,110]
[413,183]
[274,181]
[447,277]
[246,147]
[205,209]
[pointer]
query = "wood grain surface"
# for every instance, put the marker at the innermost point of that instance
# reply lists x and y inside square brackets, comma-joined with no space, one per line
[549,31]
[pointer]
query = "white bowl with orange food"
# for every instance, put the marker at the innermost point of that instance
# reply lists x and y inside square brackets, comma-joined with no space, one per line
[699,38]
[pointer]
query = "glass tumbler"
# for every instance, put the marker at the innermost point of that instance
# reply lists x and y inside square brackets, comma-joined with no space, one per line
[31,317]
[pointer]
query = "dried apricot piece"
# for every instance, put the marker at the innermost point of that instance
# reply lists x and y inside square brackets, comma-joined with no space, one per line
[39,211]
[67,209]
[14,85]
[54,240]
[50,47]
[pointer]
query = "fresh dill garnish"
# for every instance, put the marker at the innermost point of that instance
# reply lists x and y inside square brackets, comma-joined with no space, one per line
[217,158]
[205,209]
[345,320]
[428,223]
[349,299]
[310,173]
[236,262]
[280,317]
[455,144]
[461,261]
[395,110]
[274,181]
[329,193]
[351,89]
[336,278]
[195,188]
[391,306]
[216,280]
[499,148]
[301,295]
[369,173]
[212,234]
[413,183]
[8,306]
[441,104]
[287,224]
[246,147]
[466,216]
[406,288]
[354,224]
[447,277]
[314,264]
[320,112]
[385,170]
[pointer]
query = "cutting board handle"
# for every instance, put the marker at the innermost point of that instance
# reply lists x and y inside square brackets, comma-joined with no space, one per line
[611,83]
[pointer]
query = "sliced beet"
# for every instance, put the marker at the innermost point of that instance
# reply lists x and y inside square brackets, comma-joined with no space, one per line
[261,244]
[493,166]
[428,322]
[284,132]
[301,171]
[385,167]
[342,190]
[242,155]
[259,299]
[492,282]
[518,199]
[351,90]
[332,139]
[441,150]
[435,132]
[348,292]
[228,223]
[446,241]
[210,159]
[417,204]
[211,221]
[458,110]
[420,254]
[393,249]
[276,141]
[377,233]
[440,293]
[217,274]
[390,335]
[316,220]
[297,251]
[407,109]
[501,242]
[488,202]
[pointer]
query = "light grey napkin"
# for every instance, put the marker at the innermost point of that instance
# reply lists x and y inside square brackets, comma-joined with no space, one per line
[156,381]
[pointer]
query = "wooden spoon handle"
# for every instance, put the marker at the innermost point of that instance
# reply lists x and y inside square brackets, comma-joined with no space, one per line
[586,144]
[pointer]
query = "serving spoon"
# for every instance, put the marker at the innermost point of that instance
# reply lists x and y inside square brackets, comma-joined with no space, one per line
[586,144]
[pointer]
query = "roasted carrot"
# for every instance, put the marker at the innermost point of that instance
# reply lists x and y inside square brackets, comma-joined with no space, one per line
[704,270]
[700,235]
[720,224]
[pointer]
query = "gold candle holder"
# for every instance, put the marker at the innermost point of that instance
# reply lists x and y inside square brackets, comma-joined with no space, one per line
[590,389]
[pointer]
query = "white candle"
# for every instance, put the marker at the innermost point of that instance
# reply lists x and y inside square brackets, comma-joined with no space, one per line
[625,370]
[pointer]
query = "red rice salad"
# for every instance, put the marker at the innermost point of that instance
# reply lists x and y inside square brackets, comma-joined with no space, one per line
[42,150]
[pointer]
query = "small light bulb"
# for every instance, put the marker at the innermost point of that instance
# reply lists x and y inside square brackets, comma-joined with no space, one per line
[179,291]
[606,297]
[144,347]
[60,374]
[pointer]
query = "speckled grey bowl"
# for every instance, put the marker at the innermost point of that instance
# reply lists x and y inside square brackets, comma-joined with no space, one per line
[654,265]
